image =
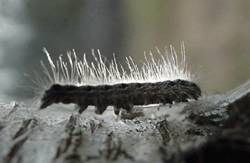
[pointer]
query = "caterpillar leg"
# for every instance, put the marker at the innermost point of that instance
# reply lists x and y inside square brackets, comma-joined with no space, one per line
[127,107]
[117,110]
[100,109]
[82,108]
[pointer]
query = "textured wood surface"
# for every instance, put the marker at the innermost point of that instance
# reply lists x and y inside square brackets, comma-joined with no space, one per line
[166,133]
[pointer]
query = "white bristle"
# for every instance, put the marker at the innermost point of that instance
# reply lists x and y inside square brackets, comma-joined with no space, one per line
[162,66]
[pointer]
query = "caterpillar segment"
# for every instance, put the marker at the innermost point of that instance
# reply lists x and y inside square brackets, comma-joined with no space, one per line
[119,96]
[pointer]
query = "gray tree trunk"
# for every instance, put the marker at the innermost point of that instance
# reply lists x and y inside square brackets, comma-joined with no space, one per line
[183,132]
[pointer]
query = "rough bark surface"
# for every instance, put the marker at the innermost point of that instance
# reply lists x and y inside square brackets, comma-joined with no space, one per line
[212,129]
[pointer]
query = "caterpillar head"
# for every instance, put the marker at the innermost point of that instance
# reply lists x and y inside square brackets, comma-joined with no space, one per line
[52,95]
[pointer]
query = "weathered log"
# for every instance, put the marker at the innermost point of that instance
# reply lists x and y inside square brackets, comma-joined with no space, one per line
[183,132]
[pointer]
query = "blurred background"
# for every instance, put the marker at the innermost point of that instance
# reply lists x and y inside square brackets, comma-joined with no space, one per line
[216,35]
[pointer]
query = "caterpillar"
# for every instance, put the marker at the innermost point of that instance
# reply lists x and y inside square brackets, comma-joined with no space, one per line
[78,81]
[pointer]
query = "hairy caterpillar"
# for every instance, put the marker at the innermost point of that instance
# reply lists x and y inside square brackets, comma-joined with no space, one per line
[163,80]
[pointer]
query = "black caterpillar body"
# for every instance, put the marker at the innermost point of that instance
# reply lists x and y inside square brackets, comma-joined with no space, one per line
[121,95]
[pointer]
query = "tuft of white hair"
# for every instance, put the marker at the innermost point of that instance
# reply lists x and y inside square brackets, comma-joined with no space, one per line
[71,70]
